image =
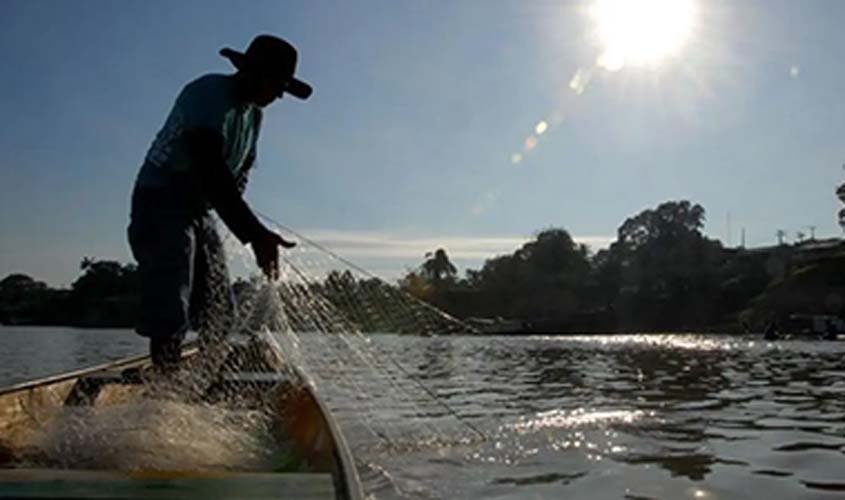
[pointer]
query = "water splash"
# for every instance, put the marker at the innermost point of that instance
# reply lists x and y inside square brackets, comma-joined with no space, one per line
[158,435]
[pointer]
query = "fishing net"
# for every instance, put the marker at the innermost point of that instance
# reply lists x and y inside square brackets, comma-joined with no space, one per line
[322,316]
[318,324]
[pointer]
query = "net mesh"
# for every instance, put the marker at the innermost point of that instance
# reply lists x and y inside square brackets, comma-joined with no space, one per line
[321,316]
[316,324]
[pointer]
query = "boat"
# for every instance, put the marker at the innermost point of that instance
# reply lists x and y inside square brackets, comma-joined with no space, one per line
[805,327]
[819,326]
[496,326]
[324,468]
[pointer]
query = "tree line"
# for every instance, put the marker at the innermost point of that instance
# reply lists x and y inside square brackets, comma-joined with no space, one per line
[662,273]
[105,295]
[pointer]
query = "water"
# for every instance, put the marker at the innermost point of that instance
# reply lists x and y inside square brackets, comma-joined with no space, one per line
[27,353]
[635,416]
[676,416]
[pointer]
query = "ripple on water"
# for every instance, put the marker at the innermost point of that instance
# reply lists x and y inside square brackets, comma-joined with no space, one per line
[558,478]
[825,486]
[639,416]
[617,416]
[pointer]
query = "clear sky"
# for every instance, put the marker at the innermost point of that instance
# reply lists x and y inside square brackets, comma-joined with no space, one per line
[420,108]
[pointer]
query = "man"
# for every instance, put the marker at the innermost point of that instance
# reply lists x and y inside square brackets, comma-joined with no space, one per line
[200,161]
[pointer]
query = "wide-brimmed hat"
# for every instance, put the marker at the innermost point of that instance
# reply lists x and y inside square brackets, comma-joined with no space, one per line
[270,55]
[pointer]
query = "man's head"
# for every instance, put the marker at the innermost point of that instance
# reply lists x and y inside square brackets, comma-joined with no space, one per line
[267,68]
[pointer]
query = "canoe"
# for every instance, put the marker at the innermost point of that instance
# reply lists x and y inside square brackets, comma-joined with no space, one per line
[318,462]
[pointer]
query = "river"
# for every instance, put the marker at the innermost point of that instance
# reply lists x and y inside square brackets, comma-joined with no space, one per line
[615,416]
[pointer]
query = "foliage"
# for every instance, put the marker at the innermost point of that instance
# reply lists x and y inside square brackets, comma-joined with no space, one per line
[542,280]
[18,289]
[661,273]
[105,278]
[438,270]
[104,295]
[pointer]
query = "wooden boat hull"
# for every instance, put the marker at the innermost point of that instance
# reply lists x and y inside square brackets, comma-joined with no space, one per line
[298,416]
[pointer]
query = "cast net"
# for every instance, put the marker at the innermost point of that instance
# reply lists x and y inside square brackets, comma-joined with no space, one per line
[319,323]
[325,316]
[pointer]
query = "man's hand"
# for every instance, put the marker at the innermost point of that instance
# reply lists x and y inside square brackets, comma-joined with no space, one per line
[266,250]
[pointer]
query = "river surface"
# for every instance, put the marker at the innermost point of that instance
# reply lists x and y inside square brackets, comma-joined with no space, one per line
[28,353]
[616,416]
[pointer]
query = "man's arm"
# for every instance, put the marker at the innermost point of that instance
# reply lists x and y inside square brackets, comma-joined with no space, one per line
[218,183]
[243,176]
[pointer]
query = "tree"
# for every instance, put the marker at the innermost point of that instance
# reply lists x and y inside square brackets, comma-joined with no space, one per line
[86,263]
[416,285]
[541,281]
[23,300]
[661,269]
[554,258]
[106,294]
[669,223]
[18,289]
[438,270]
[105,278]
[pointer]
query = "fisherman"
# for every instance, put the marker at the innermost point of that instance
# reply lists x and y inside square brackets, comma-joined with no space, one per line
[199,161]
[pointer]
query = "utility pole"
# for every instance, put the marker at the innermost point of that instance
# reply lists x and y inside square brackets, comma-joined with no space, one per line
[743,237]
[781,234]
[812,232]
[840,193]
[730,233]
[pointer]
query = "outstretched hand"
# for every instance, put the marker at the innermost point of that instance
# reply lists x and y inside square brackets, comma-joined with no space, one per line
[266,250]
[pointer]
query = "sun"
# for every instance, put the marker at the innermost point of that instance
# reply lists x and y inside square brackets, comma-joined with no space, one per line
[641,32]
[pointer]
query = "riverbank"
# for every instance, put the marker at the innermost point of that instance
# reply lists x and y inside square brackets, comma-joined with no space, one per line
[550,285]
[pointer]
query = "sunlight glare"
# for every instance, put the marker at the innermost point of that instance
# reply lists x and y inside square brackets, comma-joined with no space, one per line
[641,32]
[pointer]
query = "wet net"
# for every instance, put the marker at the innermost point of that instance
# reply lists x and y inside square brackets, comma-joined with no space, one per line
[322,317]
[317,324]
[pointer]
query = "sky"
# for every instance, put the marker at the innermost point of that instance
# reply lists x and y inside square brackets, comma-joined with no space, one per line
[423,128]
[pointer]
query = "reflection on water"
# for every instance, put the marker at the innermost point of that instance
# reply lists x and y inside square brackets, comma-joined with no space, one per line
[633,416]
[622,416]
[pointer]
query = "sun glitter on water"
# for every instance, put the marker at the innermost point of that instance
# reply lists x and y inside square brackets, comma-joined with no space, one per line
[641,32]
